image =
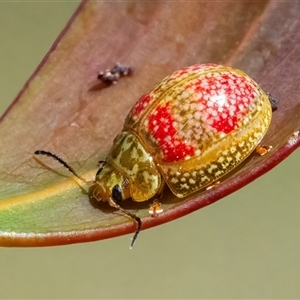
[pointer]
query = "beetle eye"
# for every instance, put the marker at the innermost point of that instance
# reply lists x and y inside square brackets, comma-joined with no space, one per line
[117,193]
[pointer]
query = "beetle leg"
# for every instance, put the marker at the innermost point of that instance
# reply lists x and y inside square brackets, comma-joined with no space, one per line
[273,101]
[155,209]
[262,150]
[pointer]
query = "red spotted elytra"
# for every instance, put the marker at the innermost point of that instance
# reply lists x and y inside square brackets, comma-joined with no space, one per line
[194,127]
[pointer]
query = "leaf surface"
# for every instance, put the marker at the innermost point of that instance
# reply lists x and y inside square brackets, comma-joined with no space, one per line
[63,108]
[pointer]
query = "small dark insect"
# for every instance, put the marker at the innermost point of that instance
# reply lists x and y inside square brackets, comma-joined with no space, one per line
[112,76]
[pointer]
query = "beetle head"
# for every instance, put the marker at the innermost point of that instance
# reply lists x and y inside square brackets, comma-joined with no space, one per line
[110,184]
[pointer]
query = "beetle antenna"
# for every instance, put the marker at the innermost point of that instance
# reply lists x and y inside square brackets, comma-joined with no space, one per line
[61,161]
[131,215]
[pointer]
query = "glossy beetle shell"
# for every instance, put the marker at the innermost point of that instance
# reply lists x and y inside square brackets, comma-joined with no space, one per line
[195,126]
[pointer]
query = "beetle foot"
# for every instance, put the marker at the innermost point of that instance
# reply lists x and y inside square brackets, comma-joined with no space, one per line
[155,209]
[263,150]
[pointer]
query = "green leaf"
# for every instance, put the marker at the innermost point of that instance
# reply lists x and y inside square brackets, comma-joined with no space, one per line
[65,110]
